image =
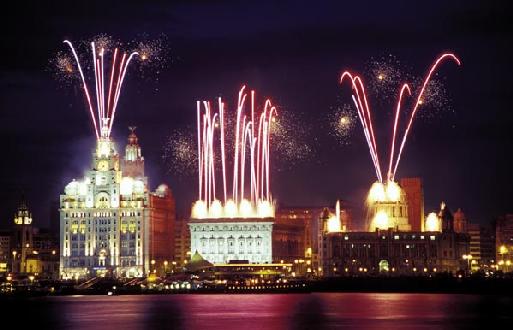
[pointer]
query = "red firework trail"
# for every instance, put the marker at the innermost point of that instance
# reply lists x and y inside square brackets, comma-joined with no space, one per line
[418,101]
[246,137]
[396,120]
[364,114]
[105,108]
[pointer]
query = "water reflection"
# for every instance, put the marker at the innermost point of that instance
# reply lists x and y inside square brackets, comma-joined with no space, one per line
[260,311]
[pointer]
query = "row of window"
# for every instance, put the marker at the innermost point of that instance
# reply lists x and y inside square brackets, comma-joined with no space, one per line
[101,214]
[231,228]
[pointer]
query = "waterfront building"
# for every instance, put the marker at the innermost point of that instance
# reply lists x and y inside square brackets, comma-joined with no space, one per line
[222,240]
[482,246]
[5,251]
[460,221]
[182,242]
[45,254]
[110,222]
[22,238]
[387,207]
[393,251]
[414,192]
[294,233]
[504,242]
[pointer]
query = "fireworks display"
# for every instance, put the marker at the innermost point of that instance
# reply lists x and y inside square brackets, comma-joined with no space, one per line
[384,75]
[153,57]
[250,193]
[101,76]
[342,120]
[290,139]
[180,152]
[361,103]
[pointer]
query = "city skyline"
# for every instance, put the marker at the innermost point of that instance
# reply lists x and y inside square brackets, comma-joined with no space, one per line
[300,76]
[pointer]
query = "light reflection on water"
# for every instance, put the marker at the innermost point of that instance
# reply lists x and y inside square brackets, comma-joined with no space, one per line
[263,311]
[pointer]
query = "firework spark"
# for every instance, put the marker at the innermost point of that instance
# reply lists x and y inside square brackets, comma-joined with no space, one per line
[62,68]
[180,152]
[251,159]
[101,76]
[153,57]
[364,114]
[342,120]
[384,74]
[290,140]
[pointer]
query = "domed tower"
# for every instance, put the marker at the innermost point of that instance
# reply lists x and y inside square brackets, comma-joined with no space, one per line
[133,164]
[22,240]
[388,207]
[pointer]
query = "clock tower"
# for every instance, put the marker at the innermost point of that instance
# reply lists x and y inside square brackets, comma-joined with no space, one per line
[110,221]
[133,164]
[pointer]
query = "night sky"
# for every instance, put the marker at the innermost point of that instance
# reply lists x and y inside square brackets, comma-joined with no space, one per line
[290,51]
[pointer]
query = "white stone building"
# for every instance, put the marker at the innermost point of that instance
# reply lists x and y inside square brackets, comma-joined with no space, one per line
[224,240]
[106,217]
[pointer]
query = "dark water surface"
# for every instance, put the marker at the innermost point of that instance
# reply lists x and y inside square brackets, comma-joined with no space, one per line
[265,311]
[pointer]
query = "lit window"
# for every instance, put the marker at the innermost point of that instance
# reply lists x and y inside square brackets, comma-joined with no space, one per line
[432,238]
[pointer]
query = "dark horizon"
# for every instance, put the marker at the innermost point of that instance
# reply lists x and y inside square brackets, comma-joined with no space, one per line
[291,52]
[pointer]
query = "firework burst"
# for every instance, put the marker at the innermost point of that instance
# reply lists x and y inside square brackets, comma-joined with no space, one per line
[180,152]
[153,56]
[342,121]
[101,76]
[384,74]
[435,98]
[290,140]
[63,68]
[425,94]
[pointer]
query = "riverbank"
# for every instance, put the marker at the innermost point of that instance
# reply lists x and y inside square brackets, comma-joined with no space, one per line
[107,286]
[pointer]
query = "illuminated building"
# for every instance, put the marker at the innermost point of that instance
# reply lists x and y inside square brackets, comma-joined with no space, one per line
[504,242]
[394,251]
[460,222]
[22,238]
[227,239]
[45,254]
[182,241]
[293,233]
[387,207]
[482,246]
[412,187]
[5,251]
[110,223]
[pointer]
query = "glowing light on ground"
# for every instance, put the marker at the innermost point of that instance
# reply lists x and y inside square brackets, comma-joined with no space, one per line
[393,191]
[334,224]
[384,192]
[380,220]
[432,222]
[377,193]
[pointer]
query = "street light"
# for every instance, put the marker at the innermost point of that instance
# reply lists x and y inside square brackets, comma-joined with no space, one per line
[502,251]
[165,266]
[468,257]
[13,259]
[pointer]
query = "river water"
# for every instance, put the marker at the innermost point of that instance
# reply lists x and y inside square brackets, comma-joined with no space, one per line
[264,311]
